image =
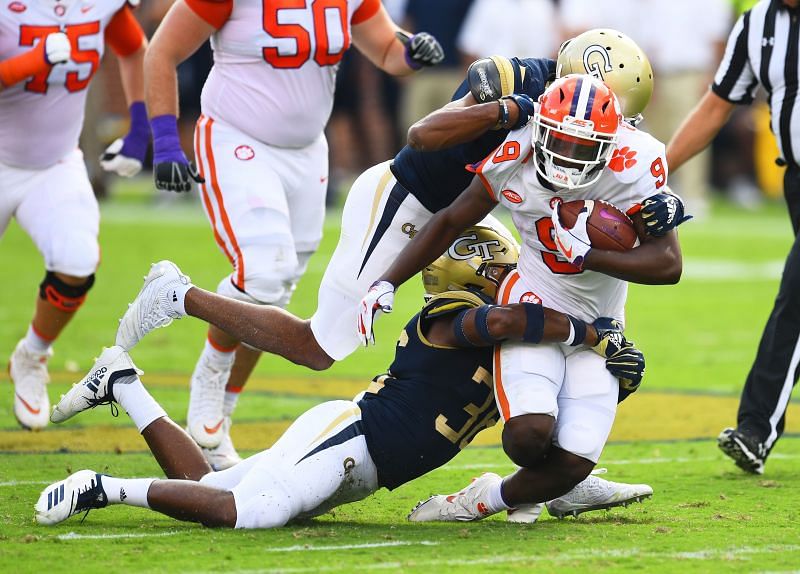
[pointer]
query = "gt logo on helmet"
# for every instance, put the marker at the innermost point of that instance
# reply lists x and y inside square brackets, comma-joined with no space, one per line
[597,68]
[462,249]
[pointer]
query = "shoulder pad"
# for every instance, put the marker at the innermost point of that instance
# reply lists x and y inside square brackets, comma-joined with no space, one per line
[449,302]
[635,153]
[490,79]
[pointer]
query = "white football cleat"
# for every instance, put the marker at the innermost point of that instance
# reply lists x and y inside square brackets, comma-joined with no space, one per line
[223,455]
[79,492]
[525,513]
[205,418]
[595,493]
[114,366]
[152,307]
[28,372]
[467,505]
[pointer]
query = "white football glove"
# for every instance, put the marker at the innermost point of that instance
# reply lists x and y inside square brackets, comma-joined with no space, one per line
[573,243]
[113,160]
[379,299]
[57,48]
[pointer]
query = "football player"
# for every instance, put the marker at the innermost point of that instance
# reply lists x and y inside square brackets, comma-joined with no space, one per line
[49,52]
[262,153]
[576,146]
[433,400]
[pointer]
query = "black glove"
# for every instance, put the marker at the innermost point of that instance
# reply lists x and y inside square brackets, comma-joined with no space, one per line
[176,176]
[525,105]
[662,213]
[422,49]
[623,359]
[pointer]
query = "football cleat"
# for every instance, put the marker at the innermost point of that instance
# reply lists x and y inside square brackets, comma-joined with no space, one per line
[152,308]
[525,513]
[746,451]
[467,505]
[79,492]
[223,455]
[595,493]
[113,367]
[205,418]
[28,372]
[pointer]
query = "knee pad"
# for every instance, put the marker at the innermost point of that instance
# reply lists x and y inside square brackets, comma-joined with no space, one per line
[67,298]
[271,273]
[77,254]
[269,509]
[580,440]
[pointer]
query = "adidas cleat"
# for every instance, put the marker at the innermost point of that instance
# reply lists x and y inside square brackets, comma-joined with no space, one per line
[79,492]
[745,450]
[468,505]
[595,493]
[153,306]
[28,373]
[113,367]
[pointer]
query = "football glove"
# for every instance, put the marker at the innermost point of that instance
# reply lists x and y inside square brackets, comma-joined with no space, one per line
[422,49]
[623,359]
[125,156]
[573,243]
[171,170]
[662,213]
[57,48]
[525,106]
[379,299]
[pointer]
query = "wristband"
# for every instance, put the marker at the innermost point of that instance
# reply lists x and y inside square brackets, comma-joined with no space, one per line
[166,143]
[503,114]
[577,332]
[534,325]
[458,330]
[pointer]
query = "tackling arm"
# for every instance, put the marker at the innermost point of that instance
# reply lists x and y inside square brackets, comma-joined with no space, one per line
[698,129]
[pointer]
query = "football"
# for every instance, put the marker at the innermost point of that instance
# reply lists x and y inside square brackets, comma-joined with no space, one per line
[609,228]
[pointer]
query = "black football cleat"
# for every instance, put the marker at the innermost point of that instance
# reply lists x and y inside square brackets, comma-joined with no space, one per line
[746,451]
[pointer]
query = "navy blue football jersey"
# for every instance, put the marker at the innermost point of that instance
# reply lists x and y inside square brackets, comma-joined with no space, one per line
[436,178]
[432,401]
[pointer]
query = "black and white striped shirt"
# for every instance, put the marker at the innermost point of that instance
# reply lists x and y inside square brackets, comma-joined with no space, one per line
[763,50]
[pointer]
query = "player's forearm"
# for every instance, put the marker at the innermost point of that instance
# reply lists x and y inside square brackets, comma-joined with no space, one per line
[654,262]
[698,129]
[450,126]
[376,39]
[131,71]
[161,83]
[511,322]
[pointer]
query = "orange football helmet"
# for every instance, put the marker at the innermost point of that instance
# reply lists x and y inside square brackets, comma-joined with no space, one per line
[575,131]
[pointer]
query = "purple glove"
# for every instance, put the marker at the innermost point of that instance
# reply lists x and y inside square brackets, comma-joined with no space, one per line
[171,170]
[125,156]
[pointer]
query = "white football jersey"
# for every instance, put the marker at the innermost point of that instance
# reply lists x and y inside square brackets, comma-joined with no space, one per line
[41,117]
[637,170]
[275,67]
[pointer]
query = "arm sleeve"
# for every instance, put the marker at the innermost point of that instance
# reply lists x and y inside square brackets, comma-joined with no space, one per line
[496,169]
[735,80]
[123,33]
[214,12]
[366,11]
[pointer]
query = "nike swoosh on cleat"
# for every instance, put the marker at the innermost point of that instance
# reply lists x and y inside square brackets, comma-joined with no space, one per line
[32,410]
[215,428]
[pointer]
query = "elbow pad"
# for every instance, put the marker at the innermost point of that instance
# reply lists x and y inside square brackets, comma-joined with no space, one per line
[490,79]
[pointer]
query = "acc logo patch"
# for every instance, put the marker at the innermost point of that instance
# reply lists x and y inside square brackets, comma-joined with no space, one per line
[512,196]
[530,297]
[622,159]
[244,153]
[17,7]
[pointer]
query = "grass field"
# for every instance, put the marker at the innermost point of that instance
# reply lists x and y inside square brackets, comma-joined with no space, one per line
[699,337]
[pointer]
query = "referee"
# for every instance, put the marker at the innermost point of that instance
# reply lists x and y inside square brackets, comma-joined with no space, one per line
[762,51]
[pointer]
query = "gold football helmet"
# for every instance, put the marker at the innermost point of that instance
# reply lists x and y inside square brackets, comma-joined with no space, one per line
[615,59]
[476,262]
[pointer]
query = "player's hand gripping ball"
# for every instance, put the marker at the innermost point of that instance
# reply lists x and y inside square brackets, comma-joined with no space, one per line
[584,224]
[662,213]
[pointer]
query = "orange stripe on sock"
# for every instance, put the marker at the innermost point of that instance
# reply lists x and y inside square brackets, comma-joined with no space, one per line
[220,348]
[226,224]
[41,335]
[503,297]
[233,389]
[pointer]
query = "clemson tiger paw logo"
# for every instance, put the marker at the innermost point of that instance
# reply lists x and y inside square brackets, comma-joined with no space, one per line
[622,159]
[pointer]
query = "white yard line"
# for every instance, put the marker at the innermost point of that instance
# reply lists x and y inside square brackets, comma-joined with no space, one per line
[308,548]
[24,482]
[76,536]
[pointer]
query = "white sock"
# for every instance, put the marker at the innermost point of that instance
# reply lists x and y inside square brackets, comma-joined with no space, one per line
[35,343]
[178,297]
[494,497]
[217,356]
[137,402]
[131,491]
[231,398]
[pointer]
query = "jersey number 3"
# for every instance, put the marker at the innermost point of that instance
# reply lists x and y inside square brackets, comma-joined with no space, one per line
[29,34]
[323,12]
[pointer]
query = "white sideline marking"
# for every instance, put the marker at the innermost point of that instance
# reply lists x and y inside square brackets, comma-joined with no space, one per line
[76,536]
[411,563]
[24,482]
[305,548]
